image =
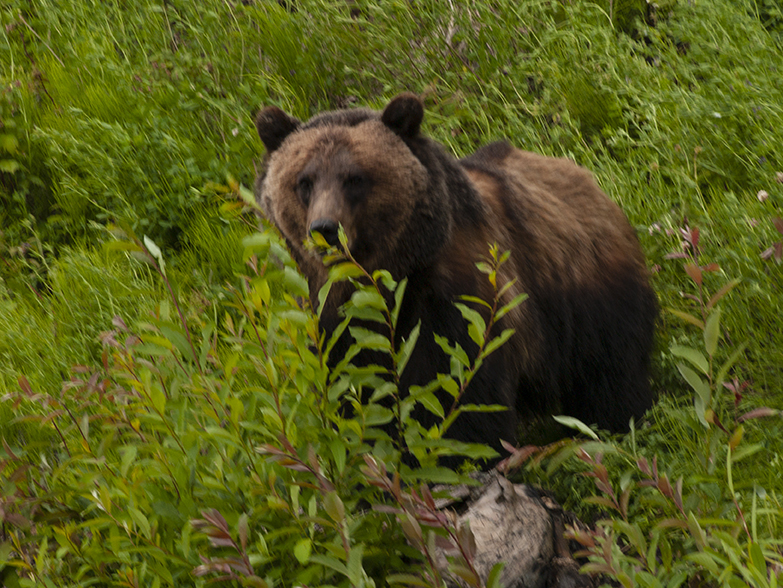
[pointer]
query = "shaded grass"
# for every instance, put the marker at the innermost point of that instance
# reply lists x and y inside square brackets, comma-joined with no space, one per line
[44,334]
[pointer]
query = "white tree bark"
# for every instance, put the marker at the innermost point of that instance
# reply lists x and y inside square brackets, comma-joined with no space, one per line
[516,524]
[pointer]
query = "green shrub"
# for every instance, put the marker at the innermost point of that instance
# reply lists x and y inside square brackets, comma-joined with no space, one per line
[228,425]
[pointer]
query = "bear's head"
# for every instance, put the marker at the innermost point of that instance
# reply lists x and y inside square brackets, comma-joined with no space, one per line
[360,169]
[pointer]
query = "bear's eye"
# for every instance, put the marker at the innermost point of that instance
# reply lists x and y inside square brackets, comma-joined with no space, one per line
[304,186]
[353,181]
[355,186]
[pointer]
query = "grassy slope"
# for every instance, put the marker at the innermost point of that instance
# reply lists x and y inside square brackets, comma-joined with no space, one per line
[128,115]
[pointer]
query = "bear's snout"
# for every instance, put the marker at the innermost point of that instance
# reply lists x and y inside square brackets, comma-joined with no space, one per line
[328,229]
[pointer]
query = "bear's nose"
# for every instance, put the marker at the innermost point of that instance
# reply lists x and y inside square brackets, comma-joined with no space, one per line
[328,229]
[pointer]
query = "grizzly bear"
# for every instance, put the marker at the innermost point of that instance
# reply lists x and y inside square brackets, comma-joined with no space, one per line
[581,340]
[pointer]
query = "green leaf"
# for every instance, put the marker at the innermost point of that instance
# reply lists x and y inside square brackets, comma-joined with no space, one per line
[634,534]
[296,282]
[337,273]
[666,552]
[376,415]
[155,251]
[158,399]
[483,408]
[294,316]
[686,317]
[368,298]
[484,267]
[342,237]
[560,457]
[184,541]
[606,503]
[248,197]
[647,580]
[677,579]
[431,403]
[603,447]
[757,559]
[573,423]
[399,295]
[9,143]
[84,425]
[724,369]
[493,579]
[242,530]
[337,447]
[329,562]
[129,453]
[256,243]
[727,287]
[746,451]
[141,521]
[652,550]
[505,309]
[701,387]
[261,293]
[385,278]
[381,391]
[705,560]
[712,332]
[473,451]
[476,321]
[449,384]
[597,568]
[437,475]
[355,571]
[9,166]
[105,499]
[407,579]
[112,246]
[476,300]
[366,314]
[465,573]
[696,531]
[159,341]
[368,339]
[700,409]
[692,355]
[302,550]
[456,351]
[407,348]
[475,335]
[334,507]
[497,341]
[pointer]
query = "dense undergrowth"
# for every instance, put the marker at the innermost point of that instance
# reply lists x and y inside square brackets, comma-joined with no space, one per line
[123,119]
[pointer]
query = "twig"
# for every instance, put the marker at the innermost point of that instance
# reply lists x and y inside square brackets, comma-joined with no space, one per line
[32,30]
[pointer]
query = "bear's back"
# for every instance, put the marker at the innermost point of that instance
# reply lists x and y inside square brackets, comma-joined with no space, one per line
[590,312]
[555,213]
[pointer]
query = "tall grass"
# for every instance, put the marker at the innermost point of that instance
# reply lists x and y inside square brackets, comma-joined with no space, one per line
[136,114]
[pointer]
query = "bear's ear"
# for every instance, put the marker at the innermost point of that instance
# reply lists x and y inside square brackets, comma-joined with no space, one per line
[273,126]
[403,115]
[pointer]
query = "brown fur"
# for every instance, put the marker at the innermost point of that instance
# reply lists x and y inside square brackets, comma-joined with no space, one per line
[331,152]
[581,340]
